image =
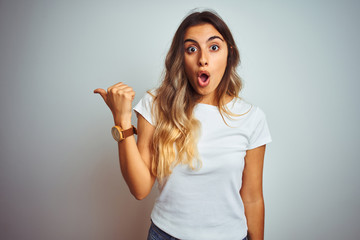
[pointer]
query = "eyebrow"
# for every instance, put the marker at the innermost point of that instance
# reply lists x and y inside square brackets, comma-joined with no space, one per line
[210,38]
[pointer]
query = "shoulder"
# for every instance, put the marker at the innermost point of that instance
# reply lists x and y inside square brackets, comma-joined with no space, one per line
[148,96]
[145,106]
[253,121]
[241,107]
[248,114]
[147,99]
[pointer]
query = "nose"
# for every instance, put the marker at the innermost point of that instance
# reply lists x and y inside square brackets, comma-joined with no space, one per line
[203,60]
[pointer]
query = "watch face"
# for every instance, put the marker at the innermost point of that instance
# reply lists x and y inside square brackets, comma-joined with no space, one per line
[116,133]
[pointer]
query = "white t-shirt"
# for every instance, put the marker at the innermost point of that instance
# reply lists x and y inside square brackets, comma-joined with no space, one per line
[206,204]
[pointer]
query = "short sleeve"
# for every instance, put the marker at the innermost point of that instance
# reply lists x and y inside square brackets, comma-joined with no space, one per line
[260,134]
[144,107]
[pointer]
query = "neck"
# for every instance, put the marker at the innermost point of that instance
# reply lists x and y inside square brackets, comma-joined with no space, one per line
[210,100]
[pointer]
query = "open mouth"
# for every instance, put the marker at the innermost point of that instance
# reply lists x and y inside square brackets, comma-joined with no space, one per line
[203,79]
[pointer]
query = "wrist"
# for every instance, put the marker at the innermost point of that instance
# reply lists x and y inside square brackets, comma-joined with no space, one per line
[120,134]
[124,124]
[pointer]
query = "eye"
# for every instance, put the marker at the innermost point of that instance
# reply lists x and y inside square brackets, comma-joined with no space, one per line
[214,47]
[191,49]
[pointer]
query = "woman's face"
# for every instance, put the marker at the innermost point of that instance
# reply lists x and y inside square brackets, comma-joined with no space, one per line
[205,60]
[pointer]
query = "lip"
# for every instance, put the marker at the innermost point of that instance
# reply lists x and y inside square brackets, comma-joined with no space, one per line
[203,72]
[202,83]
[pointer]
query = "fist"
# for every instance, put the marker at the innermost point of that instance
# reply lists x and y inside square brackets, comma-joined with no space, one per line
[119,98]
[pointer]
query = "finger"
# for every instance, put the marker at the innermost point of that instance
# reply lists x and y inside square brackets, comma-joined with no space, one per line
[102,93]
[121,86]
[115,88]
[127,91]
[131,94]
[116,85]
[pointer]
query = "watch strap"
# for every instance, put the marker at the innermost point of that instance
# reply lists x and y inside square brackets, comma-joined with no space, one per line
[129,132]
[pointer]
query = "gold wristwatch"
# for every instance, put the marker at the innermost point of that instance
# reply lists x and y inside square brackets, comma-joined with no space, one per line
[120,134]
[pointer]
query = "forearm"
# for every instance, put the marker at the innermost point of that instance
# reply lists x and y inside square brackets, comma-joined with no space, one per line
[133,168]
[134,160]
[255,214]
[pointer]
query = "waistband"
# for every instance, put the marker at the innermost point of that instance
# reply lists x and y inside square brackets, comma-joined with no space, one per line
[168,236]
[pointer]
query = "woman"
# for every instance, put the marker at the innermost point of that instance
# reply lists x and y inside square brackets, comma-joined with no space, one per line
[203,144]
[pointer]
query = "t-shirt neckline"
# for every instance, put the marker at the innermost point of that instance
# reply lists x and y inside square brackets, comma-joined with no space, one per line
[233,100]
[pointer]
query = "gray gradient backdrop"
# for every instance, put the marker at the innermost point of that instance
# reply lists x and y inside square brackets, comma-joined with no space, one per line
[59,173]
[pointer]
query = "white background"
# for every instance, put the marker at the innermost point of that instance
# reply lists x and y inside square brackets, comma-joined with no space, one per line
[59,173]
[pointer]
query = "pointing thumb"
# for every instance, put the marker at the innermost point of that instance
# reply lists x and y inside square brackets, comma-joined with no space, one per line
[102,92]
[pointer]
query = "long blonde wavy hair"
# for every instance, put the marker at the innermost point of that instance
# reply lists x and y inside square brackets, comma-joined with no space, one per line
[177,131]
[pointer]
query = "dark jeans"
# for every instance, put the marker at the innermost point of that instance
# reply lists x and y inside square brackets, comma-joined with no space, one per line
[156,233]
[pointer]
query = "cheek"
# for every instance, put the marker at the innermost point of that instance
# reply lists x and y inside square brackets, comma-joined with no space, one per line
[188,67]
[221,64]
[225,61]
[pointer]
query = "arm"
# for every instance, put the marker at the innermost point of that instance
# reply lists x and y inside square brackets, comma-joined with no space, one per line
[135,159]
[251,192]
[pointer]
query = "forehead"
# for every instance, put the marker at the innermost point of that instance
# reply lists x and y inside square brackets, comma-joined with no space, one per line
[201,32]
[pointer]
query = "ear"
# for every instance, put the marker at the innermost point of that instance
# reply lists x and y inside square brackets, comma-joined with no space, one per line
[231,50]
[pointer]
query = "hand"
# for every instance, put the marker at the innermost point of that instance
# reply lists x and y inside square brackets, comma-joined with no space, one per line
[119,98]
